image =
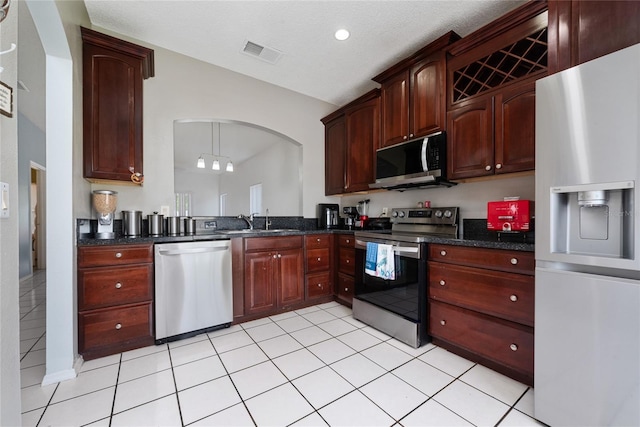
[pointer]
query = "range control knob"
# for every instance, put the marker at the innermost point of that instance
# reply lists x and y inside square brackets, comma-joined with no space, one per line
[448,213]
[394,214]
[438,214]
[401,214]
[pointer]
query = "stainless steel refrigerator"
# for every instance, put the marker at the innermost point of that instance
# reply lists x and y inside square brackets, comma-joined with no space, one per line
[587,315]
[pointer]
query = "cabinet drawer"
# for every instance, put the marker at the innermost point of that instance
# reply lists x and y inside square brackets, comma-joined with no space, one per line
[507,295]
[106,286]
[99,256]
[267,243]
[345,287]
[114,326]
[317,241]
[318,285]
[347,261]
[346,240]
[504,342]
[317,259]
[495,259]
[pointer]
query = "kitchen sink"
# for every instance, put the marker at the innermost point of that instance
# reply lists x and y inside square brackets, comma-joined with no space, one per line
[248,231]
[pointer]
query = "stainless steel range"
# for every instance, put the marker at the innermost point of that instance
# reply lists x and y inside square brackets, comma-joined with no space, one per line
[396,302]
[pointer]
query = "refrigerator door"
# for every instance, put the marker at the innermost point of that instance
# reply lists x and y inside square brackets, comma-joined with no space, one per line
[587,349]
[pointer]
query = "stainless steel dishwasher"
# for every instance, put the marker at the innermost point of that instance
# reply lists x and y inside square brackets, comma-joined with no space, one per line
[193,288]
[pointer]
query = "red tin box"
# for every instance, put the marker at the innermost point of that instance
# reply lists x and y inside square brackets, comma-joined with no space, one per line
[512,215]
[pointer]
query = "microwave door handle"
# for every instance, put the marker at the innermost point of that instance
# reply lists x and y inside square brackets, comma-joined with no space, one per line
[423,154]
[404,249]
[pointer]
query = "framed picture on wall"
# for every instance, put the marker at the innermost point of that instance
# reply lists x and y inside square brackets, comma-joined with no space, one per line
[6,100]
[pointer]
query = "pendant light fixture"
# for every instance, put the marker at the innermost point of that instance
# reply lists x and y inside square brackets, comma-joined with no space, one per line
[216,162]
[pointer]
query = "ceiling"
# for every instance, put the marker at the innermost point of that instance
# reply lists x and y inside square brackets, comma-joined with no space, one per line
[313,62]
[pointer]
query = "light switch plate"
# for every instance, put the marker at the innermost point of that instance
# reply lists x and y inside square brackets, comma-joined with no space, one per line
[4,200]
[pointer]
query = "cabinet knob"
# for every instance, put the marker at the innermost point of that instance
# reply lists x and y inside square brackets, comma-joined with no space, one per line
[319,259]
[346,289]
[279,255]
[275,256]
[442,282]
[487,168]
[443,322]
[513,347]
[348,240]
[443,253]
[499,166]
[514,261]
[118,326]
[118,285]
[348,261]
[513,298]
[118,254]
[404,137]
[318,240]
[319,285]
[410,135]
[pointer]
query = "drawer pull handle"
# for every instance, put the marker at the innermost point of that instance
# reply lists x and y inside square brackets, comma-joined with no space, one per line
[346,289]
[443,253]
[514,261]
[318,240]
[320,285]
[442,282]
[443,322]
[513,347]
[513,298]
[319,259]
[348,240]
[118,285]
[118,254]
[487,168]
[275,256]
[279,255]
[499,166]
[348,261]
[118,325]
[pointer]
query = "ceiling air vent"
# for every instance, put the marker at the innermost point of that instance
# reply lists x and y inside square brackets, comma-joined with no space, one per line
[264,53]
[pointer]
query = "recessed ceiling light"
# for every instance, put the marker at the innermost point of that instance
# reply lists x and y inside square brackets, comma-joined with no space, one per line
[342,34]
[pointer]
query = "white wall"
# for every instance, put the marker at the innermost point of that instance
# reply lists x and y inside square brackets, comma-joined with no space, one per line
[185,88]
[280,185]
[203,188]
[9,307]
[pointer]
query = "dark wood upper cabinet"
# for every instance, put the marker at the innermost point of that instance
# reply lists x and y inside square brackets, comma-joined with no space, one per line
[113,72]
[413,93]
[491,94]
[580,31]
[352,136]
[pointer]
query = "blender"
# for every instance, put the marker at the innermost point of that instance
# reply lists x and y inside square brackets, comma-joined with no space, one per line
[105,202]
[363,213]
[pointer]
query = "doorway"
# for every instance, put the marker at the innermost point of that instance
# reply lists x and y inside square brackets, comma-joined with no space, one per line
[37,217]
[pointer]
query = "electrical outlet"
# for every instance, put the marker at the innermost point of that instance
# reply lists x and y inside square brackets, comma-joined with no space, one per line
[385,211]
[164,210]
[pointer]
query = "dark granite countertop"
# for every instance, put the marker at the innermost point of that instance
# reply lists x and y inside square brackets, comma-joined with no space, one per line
[223,234]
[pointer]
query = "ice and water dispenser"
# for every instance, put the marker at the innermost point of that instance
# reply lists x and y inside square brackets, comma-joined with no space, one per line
[593,219]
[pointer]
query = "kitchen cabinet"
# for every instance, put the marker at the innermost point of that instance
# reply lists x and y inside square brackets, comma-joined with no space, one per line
[318,267]
[491,94]
[352,134]
[580,31]
[274,273]
[113,72]
[481,305]
[493,134]
[413,94]
[115,299]
[346,268]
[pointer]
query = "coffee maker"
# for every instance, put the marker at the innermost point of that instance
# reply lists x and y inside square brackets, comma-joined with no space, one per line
[328,215]
[352,214]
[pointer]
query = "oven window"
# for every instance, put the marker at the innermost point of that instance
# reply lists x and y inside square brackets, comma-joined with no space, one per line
[400,296]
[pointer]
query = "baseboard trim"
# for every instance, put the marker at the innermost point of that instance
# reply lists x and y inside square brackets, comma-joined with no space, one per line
[67,374]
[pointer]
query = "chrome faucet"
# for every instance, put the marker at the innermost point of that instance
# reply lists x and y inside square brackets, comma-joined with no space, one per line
[267,223]
[248,219]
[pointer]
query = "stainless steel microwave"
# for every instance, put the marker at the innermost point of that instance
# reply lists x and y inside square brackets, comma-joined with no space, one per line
[418,163]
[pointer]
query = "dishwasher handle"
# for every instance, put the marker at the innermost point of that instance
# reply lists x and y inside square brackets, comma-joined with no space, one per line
[192,251]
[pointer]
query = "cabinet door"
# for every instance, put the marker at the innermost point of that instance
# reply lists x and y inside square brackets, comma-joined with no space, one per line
[290,277]
[427,97]
[580,31]
[395,109]
[112,114]
[345,287]
[259,288]
[363,138]
[515,141]
[335,155]
[470,140]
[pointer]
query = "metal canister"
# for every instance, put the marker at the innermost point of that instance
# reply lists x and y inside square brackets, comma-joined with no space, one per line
[156,224]
[132,223]
[189,226]
[173,225]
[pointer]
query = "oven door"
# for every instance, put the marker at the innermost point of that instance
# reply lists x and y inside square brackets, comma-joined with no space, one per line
[404,296]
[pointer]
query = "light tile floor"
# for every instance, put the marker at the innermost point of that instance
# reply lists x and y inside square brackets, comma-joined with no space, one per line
[316,366]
